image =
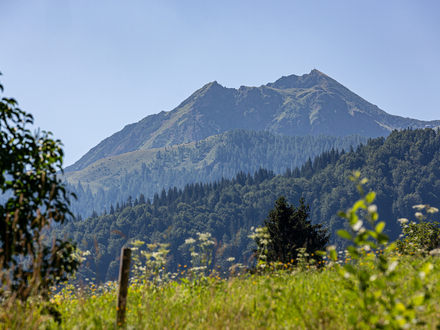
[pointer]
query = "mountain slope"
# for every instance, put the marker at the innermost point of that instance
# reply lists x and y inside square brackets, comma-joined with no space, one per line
[295,105]
[114,179]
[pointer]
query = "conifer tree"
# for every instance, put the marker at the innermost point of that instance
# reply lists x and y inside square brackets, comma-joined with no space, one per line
[129,201]
[289,229]
[141,199]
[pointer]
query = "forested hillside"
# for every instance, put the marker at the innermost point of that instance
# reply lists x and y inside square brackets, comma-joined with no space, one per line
[404,170]
[311,104]
[114,179]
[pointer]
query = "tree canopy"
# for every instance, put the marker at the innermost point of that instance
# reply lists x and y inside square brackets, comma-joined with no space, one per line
[34,200]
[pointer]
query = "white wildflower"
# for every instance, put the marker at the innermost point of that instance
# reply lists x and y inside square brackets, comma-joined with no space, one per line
[372,209]
[190,241]
[392,266]
[432,210]
[357,225]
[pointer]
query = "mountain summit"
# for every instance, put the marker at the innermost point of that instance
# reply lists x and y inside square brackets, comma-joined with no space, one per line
[312,104]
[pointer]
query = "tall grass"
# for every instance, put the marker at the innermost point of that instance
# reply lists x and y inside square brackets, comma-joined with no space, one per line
[281,299]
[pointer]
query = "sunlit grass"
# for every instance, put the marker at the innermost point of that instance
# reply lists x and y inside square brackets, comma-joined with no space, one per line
[281,299]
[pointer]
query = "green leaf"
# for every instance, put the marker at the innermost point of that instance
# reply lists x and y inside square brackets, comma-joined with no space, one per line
[359,204]
[349,268]
[370,197]
[426,268]
[418,299]
[353,252]
[364,276]
[400,307]
[353,218]
[380,226]
[352,294]
[372,233]
[333,255]
[382,239]
[380,283]
[344,234]
[374,319]
[352,318]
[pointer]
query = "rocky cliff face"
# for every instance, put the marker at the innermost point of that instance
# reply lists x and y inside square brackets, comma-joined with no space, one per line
[294,105]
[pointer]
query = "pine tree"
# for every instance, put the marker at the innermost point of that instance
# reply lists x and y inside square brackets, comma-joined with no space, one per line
[289,229]
[142,199]
[129,202]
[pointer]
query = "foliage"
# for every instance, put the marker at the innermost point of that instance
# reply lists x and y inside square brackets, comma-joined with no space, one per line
[289,229]
[422,237]
[34,199]
[374,288]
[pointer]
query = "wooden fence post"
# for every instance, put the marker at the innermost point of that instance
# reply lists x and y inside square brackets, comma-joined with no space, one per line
[124,273]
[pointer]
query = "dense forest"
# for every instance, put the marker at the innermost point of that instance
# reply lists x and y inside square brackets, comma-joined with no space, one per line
[210,159]
[404,170]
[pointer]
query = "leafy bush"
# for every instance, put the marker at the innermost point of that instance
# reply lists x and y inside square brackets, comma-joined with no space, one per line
[419,237]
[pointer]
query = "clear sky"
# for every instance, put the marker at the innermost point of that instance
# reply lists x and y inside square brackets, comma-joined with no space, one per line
[85,69]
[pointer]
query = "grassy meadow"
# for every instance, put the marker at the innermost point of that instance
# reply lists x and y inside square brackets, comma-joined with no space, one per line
[282,297]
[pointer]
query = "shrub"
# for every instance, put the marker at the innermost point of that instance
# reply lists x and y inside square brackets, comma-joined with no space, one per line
[419,237]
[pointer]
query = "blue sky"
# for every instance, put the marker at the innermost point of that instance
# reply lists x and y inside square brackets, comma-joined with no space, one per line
[85,69]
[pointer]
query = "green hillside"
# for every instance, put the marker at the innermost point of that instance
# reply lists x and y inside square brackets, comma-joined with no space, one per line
[295,105]
[114,179]
[404,170]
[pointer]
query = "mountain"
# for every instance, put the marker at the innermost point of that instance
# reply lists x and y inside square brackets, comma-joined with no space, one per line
[312,104]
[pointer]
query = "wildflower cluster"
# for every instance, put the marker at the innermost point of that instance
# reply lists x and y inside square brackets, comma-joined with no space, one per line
[262,238]
[201,253]
[149,264]
[422,237]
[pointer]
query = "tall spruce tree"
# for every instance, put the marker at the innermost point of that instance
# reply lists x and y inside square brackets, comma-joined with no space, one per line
[289,230]
[142,199]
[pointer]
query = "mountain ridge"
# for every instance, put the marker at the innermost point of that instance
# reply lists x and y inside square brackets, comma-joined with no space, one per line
[313,104]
